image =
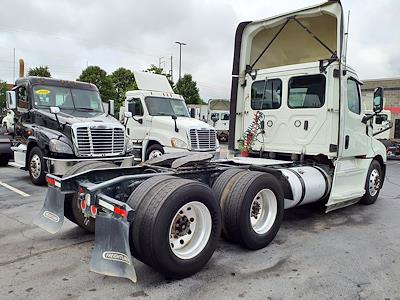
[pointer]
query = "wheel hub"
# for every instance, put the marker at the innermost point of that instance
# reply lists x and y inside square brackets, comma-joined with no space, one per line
[182,226]
[263,211]
[374,182]
[35,166]
[190,230]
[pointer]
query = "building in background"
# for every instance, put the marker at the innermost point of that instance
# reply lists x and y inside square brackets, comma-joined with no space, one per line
[392,99]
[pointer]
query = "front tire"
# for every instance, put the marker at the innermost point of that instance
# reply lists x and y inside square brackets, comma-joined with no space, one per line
[36,166]
[373,183]
[4,159]
[154,151]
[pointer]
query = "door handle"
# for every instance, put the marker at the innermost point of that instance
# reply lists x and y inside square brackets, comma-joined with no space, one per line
[346,142]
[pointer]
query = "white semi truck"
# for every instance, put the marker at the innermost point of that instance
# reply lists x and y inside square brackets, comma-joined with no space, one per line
[295,105]
[158,121]
[218,117]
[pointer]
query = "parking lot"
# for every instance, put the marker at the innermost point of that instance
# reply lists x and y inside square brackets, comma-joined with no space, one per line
[349,253]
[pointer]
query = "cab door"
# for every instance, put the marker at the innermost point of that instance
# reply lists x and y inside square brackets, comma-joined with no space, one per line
[356,139]
[136,126]
[352,164]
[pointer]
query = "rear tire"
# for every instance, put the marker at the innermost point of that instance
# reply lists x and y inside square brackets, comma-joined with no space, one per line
[146,189]
[253,210]
[373,183]
[36,166]
[72,210]
[179,228]
[222,186]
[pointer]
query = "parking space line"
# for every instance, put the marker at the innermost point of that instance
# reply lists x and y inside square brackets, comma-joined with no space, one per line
[11,188]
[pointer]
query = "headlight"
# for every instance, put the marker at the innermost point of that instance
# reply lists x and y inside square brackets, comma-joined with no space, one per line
[177,143]
[129,145]
[58,146]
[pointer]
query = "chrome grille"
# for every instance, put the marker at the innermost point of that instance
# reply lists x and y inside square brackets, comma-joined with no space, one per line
[99,141]
[202,139]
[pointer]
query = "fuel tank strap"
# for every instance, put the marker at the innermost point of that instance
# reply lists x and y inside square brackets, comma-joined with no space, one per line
[303,186]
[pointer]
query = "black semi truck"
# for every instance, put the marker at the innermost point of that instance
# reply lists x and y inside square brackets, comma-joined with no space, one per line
[58,123]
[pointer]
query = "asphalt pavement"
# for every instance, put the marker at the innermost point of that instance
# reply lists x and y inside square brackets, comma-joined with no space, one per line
[352,253]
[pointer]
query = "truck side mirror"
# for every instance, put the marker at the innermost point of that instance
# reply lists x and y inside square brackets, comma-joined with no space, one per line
[214,118]
[11,100]
[54,110]
[378,100]
[111,107]
[128,114]
[192,112]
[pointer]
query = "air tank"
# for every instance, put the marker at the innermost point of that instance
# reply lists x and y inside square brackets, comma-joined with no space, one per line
[308,184]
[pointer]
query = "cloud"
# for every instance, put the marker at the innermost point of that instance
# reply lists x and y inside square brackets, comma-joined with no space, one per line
[68,35]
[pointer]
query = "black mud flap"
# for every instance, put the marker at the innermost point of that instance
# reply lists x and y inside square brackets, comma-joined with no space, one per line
[51,217]
[111,255]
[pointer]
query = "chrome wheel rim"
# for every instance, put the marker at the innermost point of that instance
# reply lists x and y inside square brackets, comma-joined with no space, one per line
[263,210]
[374,183]
[155,153]
[35,166]
[190,230]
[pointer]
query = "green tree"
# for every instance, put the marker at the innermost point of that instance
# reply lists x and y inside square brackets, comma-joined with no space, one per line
[188,89]
[3,90]
[156,70]
[123,80]
[42,71]
[97,76]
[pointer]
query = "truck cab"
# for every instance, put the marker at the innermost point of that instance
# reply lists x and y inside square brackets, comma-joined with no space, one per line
[157,120]
[218,117]
[295,96]
[58,123]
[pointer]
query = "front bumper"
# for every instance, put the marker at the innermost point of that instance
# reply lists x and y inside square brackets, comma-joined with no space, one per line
[215,152]
[59,166]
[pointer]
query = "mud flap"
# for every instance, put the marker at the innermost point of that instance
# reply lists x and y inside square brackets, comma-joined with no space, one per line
[51,217]
[111,255]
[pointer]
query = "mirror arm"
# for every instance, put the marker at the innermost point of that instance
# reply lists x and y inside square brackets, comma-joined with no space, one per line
[365,119]
[58,121]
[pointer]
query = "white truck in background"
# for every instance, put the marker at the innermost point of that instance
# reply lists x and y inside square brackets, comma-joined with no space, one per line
[382,124]
[218,117]
[158,121]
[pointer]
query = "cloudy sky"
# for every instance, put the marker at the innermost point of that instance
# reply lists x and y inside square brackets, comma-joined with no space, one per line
[69,35]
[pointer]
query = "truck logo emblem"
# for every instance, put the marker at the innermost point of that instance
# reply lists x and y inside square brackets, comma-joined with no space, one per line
[51,216]
[116,256]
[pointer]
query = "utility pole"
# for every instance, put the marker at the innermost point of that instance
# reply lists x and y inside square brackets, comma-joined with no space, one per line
[14,67]
[172,76]
[180,57]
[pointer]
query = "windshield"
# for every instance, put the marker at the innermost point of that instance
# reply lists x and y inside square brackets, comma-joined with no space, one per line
[67,98]
[158,106]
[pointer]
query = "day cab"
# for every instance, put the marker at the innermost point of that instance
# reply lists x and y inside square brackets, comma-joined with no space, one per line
[292,68]
[158,121]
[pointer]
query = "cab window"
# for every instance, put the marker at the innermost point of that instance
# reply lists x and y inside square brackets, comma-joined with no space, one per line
[307,91]
[22,97]
[353,96]
[266,94]
[225,117]
[135,107]
[215,116]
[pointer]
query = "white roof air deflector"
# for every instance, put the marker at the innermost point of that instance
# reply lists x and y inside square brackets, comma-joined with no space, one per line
[309,35]
[152,82]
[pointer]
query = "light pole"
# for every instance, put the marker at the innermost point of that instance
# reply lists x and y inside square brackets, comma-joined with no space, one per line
[180,57]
